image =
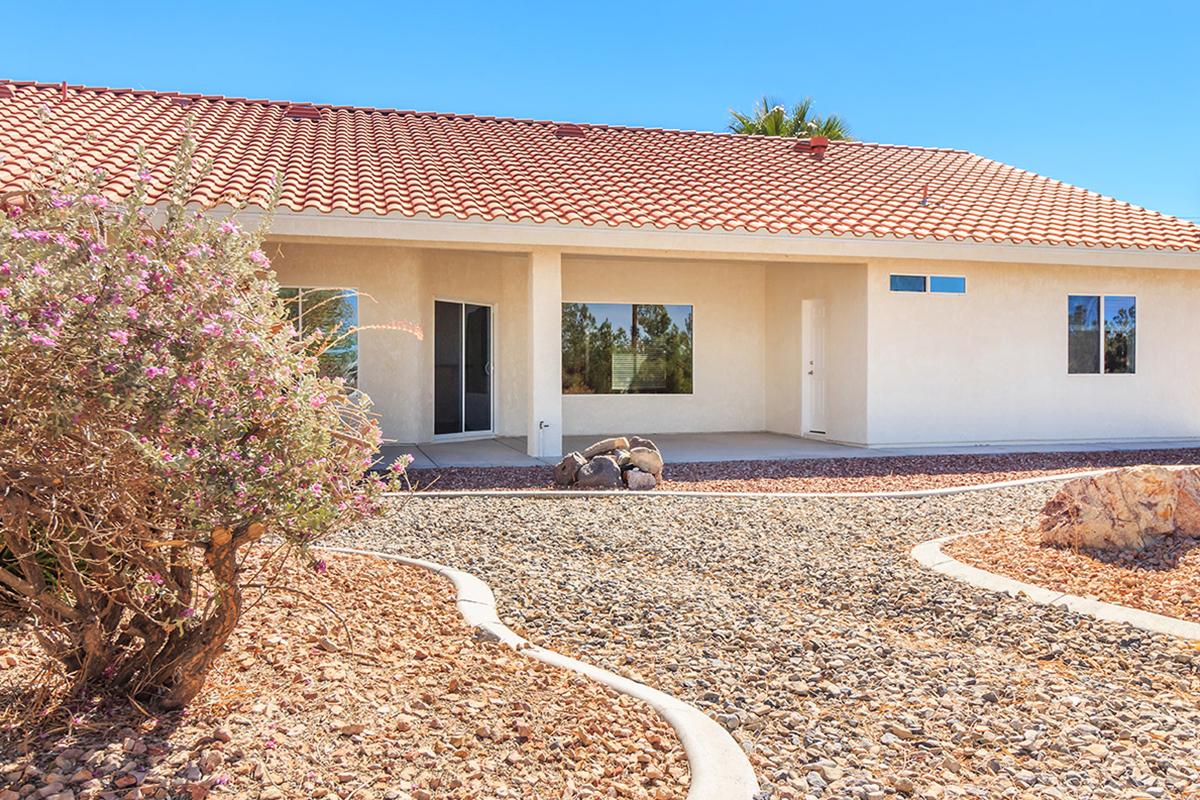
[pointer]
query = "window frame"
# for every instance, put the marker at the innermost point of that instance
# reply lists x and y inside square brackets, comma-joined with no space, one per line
[963,278]
[322,288]
[1103,325]
[689,303]
[924,286]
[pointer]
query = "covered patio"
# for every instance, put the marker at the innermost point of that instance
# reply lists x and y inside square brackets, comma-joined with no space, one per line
[679,448]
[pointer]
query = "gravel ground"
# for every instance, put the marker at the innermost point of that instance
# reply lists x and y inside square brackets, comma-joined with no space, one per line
[414,708]
[882,474]
[805,627]
[1163,578]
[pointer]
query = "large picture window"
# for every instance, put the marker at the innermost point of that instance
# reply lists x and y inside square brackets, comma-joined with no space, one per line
[626,348]
[1101,334]
[334,312]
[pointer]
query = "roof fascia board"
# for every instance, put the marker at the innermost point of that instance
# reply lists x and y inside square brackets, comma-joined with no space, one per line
[482,234]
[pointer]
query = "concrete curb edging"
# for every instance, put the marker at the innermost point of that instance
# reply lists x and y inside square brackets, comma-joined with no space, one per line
[719,768]
[913,493]
[929,554]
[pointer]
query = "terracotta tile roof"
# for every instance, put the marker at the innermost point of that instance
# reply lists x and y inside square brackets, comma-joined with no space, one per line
[385,162]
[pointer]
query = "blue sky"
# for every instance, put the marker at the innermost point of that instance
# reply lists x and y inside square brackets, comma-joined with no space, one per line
[1104,95]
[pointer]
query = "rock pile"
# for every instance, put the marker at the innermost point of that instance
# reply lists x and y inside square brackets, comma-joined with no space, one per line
[617,463]
[1126,509]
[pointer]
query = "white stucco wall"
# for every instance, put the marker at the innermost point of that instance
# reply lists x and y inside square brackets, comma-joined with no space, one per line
[728,344]
[401,284]
[843,288]
[987,366]
[991,365]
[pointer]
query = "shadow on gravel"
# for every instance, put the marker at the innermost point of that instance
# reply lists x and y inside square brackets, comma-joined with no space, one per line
[1163,556]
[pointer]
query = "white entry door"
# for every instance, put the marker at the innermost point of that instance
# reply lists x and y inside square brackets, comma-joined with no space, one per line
[812,407]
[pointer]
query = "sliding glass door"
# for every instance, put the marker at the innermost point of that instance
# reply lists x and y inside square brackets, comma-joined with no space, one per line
[462,364]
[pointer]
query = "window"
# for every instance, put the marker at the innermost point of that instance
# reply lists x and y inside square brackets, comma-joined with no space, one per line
[947,284]
[934,284]
[908,283]
[1101,334]
[333,312]
[626,348]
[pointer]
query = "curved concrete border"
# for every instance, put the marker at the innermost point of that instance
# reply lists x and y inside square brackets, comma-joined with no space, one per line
[558,493]
[929,554]
[719,768]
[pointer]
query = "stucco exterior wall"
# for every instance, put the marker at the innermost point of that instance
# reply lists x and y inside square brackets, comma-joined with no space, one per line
[728,369]
[990,366]
[401,284]
[843,288]
[985,367]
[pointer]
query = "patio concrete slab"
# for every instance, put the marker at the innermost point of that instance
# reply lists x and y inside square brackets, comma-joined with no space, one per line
[473,453]
[509,451]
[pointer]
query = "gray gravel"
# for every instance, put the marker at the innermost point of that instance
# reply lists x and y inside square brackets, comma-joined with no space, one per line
[843,668]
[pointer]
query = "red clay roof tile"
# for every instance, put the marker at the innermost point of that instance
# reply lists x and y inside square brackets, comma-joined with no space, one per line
[380,161]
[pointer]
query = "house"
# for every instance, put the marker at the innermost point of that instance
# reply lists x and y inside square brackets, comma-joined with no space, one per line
[590,279]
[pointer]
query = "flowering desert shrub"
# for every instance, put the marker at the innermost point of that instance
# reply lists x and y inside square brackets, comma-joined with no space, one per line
[157,415]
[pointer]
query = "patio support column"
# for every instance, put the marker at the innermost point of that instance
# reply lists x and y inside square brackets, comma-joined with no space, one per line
[544,397]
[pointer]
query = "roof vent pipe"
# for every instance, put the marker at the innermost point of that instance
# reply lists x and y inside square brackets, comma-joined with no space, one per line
[302,111]
[815,145]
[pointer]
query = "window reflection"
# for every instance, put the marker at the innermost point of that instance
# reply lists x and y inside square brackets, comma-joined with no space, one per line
[626,348]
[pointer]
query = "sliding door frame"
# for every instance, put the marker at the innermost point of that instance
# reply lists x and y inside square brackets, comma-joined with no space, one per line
[462,394]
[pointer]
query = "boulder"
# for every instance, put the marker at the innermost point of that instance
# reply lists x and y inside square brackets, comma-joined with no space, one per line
[639,480]
[622,457]
[1125,509]
[566,470]
[647,460]
[601,472]
[639,441]
[606,446]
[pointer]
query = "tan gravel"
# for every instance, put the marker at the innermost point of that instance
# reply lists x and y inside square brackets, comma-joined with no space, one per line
[411,707]
[1163,578]
[870,474]
[805,627]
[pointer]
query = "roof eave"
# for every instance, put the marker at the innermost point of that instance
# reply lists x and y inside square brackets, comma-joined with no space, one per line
[576,237]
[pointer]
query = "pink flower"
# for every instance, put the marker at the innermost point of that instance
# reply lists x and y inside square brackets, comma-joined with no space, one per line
[317,400]
[229,226]
[154,372]
[95,200]
[40,271]
[132,313]
[320,567]
[259,258]
[155,578]
[192,452]
[44,341]
[212,329]
[120,336]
